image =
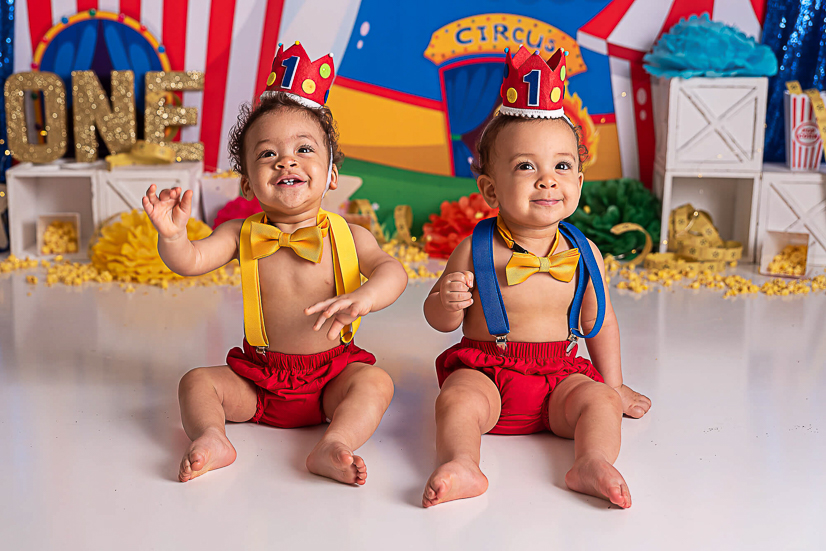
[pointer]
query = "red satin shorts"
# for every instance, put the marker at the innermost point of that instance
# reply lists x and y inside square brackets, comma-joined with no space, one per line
[525,375]
[291,386]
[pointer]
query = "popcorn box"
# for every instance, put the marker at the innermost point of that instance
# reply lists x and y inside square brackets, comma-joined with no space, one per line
[43,222]
[804,144]
[773,244]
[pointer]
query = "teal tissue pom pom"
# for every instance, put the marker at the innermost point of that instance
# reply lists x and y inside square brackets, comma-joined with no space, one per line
[701,47]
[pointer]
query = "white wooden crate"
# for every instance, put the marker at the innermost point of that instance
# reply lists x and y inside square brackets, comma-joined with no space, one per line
[89,190]
[773,244]
[794,202]
[709,124]
[216,192]
[41,189]
[731,199]
[123,188]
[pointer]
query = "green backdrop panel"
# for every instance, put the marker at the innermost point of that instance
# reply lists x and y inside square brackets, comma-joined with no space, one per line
[390,186]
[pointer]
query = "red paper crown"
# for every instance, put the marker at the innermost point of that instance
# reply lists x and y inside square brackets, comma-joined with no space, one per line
[293,73]
[532,87]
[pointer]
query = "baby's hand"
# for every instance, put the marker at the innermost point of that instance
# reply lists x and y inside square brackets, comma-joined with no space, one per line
[455,291]
[634,404]
[345,308]
[170,212]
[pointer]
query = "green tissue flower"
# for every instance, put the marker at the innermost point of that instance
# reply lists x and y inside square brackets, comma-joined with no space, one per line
[613,202]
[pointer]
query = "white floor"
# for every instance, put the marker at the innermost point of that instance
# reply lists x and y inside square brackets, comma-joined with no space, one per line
[730,457]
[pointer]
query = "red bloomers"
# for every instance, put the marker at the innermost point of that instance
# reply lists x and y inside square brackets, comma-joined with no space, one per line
[525,375]
[291,386]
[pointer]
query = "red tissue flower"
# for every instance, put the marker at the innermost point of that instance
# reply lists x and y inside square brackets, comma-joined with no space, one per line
[444,232]
[237,208]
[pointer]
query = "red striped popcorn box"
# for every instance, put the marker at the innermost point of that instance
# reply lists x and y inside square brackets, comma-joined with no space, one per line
[804,144]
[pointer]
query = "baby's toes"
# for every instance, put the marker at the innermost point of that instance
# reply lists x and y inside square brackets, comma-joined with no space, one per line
[184,471]
[639,410]
[359,463]
[361,469]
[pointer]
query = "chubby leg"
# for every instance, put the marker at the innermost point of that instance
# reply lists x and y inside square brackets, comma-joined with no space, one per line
[355,402]
[590,413]
[467,407]
[210,396]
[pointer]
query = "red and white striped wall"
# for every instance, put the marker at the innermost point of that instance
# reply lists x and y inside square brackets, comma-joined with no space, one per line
[232,41]
[625,30]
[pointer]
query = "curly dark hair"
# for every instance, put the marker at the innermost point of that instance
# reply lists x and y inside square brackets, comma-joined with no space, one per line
[274,102]
[484,148]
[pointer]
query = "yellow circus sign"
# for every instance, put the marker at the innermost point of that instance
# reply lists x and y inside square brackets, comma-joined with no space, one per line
[491,33]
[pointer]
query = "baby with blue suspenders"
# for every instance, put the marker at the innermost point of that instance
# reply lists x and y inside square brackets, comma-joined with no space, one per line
[530,268]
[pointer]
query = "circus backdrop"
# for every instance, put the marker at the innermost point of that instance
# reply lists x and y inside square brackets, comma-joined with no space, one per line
[416,81]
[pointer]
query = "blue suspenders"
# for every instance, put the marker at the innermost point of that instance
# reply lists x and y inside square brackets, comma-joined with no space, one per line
[491,296]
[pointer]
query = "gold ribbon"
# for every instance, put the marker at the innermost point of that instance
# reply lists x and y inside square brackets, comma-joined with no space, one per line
[403,217]
[365,208]
[521,266]
[694,243]
[142,153]
[691,234]
[646,250]
[308,243]
[345,267]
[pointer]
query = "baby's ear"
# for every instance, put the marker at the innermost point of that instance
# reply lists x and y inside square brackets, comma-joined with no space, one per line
[246,189]
[488,190]
[334,177]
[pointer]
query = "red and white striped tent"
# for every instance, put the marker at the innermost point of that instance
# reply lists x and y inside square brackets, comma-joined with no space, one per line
[625,31]
[232,41]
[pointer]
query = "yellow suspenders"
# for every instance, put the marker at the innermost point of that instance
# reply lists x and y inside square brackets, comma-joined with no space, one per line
[345,266]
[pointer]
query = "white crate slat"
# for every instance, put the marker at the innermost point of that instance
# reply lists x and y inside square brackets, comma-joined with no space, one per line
[90,190]
[124,187]
[710,151]
[794,202]
[731,200]
[710,124]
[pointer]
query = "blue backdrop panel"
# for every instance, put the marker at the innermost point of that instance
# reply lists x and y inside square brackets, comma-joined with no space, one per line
[471,92]
[6,57]
[796,32]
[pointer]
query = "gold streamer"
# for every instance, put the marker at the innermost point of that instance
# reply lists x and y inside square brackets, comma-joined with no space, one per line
[54,103]
[158,116]
[820,113]
[692,234]
[142,153]
[115,122]
[630,226]
[403,216]
[363,207]
[695,244]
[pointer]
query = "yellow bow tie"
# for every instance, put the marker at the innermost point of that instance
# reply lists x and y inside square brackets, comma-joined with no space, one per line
[307,243]
[523,265]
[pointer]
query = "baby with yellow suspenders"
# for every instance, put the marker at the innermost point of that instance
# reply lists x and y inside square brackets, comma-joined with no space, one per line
[301,271]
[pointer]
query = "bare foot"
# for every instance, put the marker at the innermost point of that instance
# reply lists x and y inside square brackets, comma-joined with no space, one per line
[212,450]
[455,479]
[597,477]
[335,460]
